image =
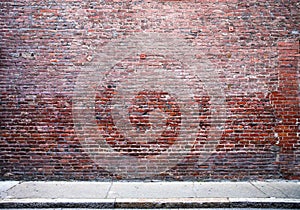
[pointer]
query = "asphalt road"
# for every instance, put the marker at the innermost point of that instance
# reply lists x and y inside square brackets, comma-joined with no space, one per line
[156,209]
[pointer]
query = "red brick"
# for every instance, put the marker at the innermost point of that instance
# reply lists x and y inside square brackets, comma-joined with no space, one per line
[252,45]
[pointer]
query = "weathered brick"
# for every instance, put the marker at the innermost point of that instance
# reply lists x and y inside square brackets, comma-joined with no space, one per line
[245,92]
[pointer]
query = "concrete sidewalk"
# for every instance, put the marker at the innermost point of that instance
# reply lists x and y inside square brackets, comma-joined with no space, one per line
[271,194]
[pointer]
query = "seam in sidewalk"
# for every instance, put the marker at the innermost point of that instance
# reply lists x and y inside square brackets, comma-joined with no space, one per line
[194,191]
[108,191]
[279,191]
[6,191]
[14,185]
[259,189]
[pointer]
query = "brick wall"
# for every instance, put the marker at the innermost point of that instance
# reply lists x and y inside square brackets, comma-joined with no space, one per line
[149,89]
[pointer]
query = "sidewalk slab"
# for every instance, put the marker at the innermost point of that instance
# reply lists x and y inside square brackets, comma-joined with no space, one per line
[152,190]
[279,189]
[227,189]
[55,190]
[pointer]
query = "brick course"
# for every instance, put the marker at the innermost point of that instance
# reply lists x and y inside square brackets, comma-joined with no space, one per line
[245,89]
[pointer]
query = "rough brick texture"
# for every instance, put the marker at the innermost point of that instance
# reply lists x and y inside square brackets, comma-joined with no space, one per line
[149,89]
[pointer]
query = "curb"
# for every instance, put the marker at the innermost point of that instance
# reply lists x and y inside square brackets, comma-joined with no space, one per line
[153,203]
